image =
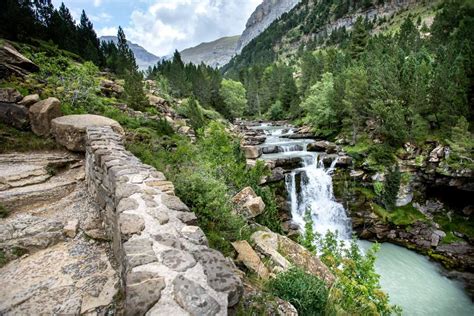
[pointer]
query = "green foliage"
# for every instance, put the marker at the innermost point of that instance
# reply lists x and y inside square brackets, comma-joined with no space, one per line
[134,94]
[305,291]
[3,258]
[13,139]
[391,187]
[233,94]
[307,240]
[451,222]
[318,106]
[3,211]
[191,109]
[206,175]
[356,290]
[461,144]
[276,111]
[405,215]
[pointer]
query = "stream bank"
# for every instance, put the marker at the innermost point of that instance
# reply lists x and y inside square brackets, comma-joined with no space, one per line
[287,151]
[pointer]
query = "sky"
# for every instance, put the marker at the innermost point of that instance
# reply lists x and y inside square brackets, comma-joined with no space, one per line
[161,26]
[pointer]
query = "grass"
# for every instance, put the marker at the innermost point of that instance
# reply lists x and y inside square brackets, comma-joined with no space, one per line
[454,223]
[400,216]
[3,211]
[16,140]
[305,291]
[406,215]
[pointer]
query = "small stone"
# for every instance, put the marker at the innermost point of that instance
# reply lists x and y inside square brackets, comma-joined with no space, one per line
[188,218]
[177,260]
[70,229]
[139,252]
[220,275]
[131,224]
[143,290]
[168,240]
[173,203]
[194,234]
[127,204]
[193,297]
[159,214]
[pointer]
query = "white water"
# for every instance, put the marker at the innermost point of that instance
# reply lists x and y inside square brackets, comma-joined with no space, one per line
[411,280]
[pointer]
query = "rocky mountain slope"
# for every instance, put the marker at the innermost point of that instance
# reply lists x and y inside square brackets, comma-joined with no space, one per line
[267,12]
[215,54]
[143,57]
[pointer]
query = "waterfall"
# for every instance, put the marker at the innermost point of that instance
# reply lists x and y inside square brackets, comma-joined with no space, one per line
[316,195]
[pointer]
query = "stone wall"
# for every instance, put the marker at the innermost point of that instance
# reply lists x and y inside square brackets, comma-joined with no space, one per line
[163,258]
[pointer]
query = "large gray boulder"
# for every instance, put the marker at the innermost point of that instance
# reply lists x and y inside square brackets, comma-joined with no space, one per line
[70,130]
[41,114]
[14,63]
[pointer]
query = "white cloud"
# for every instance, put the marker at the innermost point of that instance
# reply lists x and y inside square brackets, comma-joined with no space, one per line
[107,31]
[97,3]
[167,25]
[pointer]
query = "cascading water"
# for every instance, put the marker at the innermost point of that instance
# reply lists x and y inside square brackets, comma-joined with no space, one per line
[316,197]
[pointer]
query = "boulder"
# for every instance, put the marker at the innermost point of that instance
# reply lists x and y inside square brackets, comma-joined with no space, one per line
[249,204]
[29,100]
[14,63]
[252,152]
[110,88]
[344,161]
[250,259]
[322,145]
[42,113]
[70,130]
[10,95]
[284,253]
[14,115]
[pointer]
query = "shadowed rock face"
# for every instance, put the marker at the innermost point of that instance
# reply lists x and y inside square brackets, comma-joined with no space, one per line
[262,17]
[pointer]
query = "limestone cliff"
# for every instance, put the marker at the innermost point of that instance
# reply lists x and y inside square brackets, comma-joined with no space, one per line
[267,12]
[215,54]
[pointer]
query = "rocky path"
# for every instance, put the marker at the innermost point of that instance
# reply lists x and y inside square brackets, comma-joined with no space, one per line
[54,260]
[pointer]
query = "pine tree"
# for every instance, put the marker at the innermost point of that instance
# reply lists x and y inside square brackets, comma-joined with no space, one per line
[359,38]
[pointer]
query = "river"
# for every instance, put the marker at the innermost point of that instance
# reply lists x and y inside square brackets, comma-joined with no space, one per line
[412,281]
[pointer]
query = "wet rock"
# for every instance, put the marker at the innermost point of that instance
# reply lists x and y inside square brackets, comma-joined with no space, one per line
[70,130]
[193,298]
[322,145]
[250,259]
[142,292]
[344,161]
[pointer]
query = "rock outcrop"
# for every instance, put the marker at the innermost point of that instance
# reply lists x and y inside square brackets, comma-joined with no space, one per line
[267,12]
[14,63]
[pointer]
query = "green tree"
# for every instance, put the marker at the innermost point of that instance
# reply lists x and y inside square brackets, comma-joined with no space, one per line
[133,89]
[356,99]
[318,106]
[391,187]
[233,94]
[461,143]
[359,38]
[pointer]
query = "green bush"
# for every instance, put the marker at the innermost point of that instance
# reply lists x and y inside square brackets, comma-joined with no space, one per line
[305,291]
[276,111]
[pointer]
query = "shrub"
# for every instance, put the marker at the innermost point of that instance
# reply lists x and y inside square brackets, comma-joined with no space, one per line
[276,111]
[305,291]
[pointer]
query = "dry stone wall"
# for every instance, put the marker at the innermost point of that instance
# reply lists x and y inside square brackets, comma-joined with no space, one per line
[166,265]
